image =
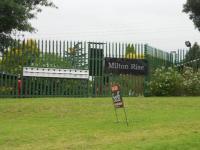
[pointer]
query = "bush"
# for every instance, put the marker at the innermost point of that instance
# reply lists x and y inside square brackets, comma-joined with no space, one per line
[170,82]
[191,82]
[166,82]
[5,90]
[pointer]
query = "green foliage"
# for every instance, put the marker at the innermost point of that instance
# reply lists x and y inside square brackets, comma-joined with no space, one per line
[130,49]
[5,41]
[76,87]
[166,82]
[194,52]
[75,56]
[191,82]
[169,82]
[131,53]
[21,55]
[192,8]
[27,54]
[5,90]
[15,16]
[51,60]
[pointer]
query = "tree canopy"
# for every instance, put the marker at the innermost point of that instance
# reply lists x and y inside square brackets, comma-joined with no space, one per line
[194,52]
[192,7]
[15,16]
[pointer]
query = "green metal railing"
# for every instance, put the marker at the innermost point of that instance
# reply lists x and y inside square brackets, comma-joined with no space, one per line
[73,55]
[181,61]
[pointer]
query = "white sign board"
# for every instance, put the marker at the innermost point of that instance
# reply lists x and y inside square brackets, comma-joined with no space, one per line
[55,73]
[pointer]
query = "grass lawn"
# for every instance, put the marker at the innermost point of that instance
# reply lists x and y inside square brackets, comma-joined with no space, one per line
[89,124]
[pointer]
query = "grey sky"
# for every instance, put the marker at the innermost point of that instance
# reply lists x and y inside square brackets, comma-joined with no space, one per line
[159,23]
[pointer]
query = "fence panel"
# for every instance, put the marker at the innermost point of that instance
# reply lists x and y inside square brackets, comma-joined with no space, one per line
[74,55]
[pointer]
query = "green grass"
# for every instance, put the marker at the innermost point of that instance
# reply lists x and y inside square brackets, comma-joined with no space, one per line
[89,124]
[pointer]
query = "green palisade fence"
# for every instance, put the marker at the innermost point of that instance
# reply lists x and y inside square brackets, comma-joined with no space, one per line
[181,61]
[74,55]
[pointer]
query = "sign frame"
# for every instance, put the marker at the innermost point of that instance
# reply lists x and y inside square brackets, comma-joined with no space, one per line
[126,66]
[118,101]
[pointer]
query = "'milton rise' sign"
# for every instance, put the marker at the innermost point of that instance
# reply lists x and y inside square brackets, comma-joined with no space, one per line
[126,66]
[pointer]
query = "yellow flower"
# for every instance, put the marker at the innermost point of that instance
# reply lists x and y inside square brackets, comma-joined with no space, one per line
[134,56]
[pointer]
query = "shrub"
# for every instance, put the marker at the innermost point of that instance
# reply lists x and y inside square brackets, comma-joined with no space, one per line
[170,82]
[191,83]
[166,82]
[4,90]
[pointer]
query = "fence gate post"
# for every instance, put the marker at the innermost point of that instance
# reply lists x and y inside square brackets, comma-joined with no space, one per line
[145,92]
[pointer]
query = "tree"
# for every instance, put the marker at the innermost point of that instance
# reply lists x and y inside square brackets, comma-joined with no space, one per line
[15,16]
[132,54]
[22,54]
[192,8]
[194,52]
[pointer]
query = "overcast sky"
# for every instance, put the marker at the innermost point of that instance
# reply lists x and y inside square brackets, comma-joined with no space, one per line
[160,23]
